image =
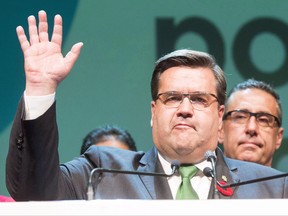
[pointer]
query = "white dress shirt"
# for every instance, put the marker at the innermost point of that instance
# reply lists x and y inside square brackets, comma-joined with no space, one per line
[200,182]
[35,106]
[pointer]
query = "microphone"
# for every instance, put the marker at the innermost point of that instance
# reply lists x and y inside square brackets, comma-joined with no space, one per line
[207,171]
[90,192]
[210,156]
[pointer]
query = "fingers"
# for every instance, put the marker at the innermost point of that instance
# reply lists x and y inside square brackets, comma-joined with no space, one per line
[40,34]
[24,43]
[73,55]
[57,30]
[43,26]
[33,32]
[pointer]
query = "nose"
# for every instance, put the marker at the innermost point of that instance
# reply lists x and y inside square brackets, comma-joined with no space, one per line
[251,126]
[185,108]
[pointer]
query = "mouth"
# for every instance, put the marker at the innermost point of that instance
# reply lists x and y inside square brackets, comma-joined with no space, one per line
[183,126]
[251,144]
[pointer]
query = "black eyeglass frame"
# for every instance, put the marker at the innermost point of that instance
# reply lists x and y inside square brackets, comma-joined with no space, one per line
[188,95]
[256,115]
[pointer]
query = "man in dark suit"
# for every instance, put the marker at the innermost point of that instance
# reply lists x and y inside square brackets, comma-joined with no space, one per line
[188,94]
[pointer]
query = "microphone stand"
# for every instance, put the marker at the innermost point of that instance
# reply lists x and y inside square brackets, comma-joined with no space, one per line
[253,180]
[212,158]
[216,192]
[90,192]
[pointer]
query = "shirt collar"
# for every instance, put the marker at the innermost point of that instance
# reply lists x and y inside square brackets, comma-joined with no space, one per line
[167,165]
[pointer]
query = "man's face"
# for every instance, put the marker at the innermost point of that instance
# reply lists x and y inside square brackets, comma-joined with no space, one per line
[251,141]
[183,133]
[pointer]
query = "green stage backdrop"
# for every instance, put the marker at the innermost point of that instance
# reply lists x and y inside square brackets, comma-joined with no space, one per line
[110,82]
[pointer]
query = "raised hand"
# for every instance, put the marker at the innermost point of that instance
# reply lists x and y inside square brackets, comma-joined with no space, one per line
[45,66]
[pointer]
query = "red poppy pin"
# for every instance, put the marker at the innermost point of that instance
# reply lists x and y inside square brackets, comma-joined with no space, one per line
[225,191]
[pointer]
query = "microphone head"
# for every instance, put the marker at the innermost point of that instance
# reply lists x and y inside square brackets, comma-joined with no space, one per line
[207,171]
[175,165]
[209,155]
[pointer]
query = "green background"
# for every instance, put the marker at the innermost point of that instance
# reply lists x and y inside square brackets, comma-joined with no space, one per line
[110,82]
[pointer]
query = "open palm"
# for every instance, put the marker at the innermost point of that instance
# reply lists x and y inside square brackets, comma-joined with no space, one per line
[45,66]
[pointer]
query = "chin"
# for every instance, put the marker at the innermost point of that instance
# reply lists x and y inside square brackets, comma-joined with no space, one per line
[249,159]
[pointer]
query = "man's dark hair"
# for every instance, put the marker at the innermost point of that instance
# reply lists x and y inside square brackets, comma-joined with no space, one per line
[257,84]
[108,132]
[192,59]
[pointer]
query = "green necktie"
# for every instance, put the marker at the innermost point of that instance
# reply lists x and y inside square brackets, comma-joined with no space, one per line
[185,190]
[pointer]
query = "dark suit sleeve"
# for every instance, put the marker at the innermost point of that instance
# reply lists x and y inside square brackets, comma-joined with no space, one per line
[32,164]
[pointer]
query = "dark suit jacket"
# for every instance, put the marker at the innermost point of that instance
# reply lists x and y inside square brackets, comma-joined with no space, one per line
[33,171]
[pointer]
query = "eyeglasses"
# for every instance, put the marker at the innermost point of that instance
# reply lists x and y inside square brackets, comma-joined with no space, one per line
[199,100]
[262,118]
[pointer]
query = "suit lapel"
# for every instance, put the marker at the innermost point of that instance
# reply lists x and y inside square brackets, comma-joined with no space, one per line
[225,174]
[156,186]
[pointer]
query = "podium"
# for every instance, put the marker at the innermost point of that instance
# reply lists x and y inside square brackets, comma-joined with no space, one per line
[148,207]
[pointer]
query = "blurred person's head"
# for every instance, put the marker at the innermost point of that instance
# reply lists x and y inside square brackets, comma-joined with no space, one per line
[109,135]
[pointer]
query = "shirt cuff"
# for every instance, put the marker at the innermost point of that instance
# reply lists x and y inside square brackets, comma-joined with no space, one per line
[36,106]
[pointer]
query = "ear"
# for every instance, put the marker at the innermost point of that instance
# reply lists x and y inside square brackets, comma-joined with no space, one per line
[221,111]
[279,138]
[220,133]
[153,105]
[220,128]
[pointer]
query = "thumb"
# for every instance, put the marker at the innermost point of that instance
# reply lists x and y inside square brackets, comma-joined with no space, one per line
[73,55]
